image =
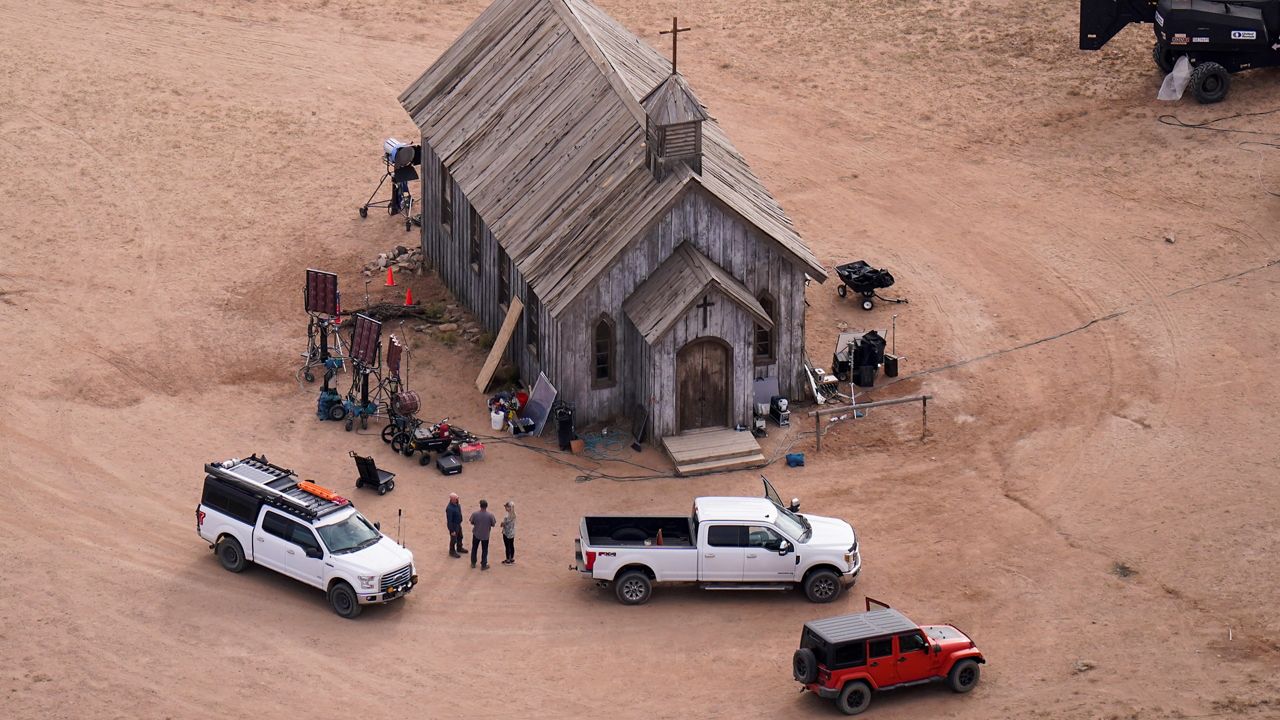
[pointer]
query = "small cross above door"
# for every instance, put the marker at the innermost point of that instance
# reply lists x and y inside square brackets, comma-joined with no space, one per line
[705,306]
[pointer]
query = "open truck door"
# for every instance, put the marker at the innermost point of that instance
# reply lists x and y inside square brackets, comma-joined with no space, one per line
[1100,20]
[771,494]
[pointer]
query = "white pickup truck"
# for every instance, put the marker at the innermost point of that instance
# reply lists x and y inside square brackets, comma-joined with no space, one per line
[728,543]
[253,511]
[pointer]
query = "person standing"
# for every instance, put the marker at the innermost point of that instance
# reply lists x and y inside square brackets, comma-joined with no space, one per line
[482,521]
[453,521]
[509,532]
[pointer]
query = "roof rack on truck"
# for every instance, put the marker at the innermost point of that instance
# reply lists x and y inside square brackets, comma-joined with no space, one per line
[275,486]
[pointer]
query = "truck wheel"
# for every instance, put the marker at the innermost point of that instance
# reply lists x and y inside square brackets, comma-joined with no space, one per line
[804,666]
[963,676]
[1210,82]
[633,588]
[1163,55]
[822,586]
[343,600]
[854,698]
[231,555]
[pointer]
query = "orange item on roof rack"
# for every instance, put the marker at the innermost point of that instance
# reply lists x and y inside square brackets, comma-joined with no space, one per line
[323,493]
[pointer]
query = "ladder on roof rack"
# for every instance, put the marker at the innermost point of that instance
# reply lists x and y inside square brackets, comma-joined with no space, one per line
[304,504]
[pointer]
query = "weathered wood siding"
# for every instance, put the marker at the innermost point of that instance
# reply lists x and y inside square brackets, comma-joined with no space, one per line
[644,376]
[725,320]
[648,373]
[475,287]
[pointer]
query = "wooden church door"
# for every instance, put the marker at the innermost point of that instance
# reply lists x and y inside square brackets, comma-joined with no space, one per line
[702,384]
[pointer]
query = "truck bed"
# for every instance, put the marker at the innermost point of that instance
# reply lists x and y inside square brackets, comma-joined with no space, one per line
[636,531]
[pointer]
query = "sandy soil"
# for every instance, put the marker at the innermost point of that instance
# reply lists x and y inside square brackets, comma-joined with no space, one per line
[1106,499]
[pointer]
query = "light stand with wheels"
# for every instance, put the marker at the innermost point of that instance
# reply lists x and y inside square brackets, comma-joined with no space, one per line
[366,353]
[398,159]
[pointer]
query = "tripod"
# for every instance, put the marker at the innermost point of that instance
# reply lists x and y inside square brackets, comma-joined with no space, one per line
[319,331]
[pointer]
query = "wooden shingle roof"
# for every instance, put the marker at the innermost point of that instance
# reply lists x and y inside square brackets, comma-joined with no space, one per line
[673,102]
[673,288]
[535,111]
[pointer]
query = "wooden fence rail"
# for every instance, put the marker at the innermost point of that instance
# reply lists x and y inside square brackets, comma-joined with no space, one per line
[922,399]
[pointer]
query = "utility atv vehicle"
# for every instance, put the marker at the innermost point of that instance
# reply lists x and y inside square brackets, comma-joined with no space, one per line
[1218,38]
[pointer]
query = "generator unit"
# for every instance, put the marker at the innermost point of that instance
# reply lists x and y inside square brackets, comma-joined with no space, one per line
[1217,38]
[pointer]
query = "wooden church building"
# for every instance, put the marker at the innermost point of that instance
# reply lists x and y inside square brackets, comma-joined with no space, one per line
[565,163]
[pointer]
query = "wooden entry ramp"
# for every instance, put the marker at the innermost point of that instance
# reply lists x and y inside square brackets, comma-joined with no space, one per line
[712,450]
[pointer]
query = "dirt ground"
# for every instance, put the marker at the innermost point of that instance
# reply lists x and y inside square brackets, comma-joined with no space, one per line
[1099,510]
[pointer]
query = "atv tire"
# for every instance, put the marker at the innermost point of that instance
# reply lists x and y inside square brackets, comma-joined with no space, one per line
[1210,82]
[1164,57]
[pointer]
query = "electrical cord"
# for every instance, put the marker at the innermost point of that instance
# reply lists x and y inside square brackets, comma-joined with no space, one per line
[1175,121]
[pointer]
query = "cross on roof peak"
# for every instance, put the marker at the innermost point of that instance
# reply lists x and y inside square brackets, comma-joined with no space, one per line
[674,32]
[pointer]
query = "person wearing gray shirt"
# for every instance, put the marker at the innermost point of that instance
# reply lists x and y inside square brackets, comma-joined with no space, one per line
[482,521]
[509,532]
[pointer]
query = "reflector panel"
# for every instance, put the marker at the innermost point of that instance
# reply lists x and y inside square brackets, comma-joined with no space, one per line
[393,355]
[321,292]
[364,340]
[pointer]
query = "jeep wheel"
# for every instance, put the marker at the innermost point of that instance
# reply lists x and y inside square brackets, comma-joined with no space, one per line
[343,600]
[822,586]
[633,588]
[231,555]
[854,698]
[1210,82]
[963,676]
[804,666]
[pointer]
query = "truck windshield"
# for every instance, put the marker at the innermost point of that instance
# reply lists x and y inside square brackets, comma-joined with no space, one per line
[349,535]
[796,527]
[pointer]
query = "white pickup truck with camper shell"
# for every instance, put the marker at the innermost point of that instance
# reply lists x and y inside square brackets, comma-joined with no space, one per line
[727,543]
[254,512]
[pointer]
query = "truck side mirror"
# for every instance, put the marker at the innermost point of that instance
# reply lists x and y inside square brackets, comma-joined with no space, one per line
[377,526]
[313,552]
[795,505]
[784,547]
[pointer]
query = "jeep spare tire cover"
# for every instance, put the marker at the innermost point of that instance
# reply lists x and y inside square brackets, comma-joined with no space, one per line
[804,666]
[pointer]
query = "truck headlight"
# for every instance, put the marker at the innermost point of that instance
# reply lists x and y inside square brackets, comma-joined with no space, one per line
[367,581]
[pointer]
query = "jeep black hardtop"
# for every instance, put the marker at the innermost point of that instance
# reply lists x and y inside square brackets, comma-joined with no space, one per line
[860,626]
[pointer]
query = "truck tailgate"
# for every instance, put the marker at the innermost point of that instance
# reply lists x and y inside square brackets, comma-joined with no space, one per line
[580,549]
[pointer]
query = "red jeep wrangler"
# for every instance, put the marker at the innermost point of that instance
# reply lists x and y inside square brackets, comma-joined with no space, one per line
[849,657]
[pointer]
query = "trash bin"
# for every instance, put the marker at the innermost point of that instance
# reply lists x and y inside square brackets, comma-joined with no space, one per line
[891,366]
[564,425]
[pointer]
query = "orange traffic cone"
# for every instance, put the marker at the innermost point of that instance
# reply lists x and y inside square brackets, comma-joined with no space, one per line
[391,280]
[408,296]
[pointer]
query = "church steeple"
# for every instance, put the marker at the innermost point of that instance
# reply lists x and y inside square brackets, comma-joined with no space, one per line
[673,118]
[673,126]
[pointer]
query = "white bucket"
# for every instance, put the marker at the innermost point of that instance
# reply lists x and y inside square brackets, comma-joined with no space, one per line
[497,419]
